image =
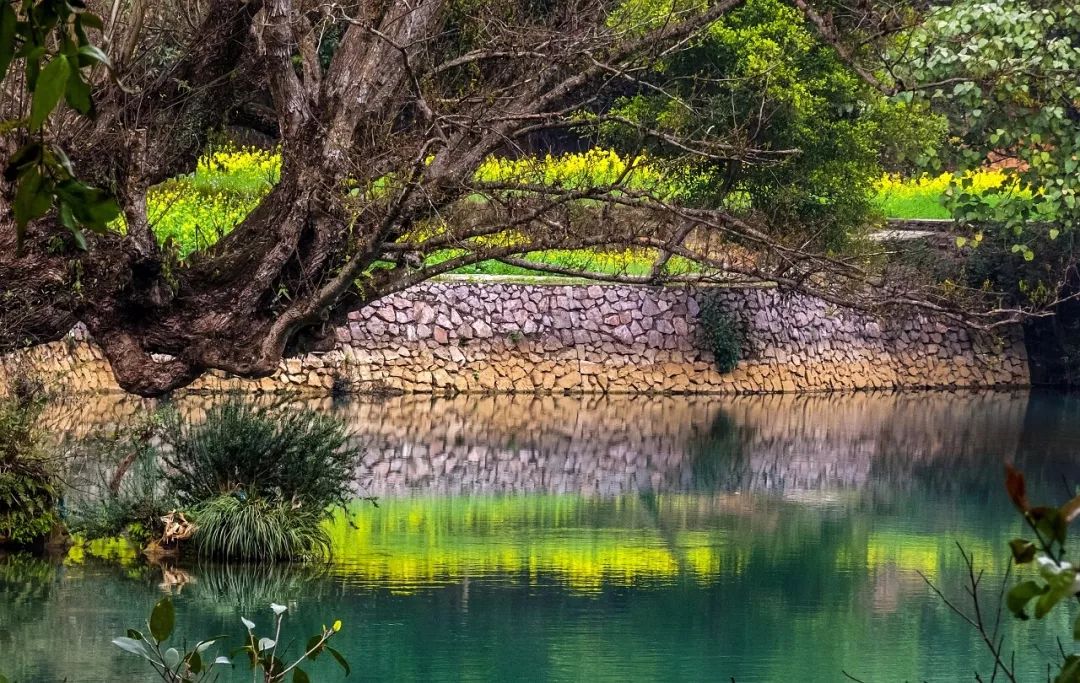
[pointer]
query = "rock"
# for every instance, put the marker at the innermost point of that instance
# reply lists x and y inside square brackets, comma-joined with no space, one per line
[481,329]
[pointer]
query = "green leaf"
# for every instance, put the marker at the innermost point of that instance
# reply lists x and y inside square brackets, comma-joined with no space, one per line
[1052,596]
[171,658]
[339,659]
[77,94]
[299,676]
[33,197]
[194,662]
[135,647]
[314,646]
[1050,522]
[162,619]
[93,54]
[7,37]
[1070,671]
[1020,595]
[50,87]
[26,156]
[1054,232]
[960,242]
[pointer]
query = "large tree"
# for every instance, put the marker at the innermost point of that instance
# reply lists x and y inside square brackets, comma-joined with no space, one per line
[384,111]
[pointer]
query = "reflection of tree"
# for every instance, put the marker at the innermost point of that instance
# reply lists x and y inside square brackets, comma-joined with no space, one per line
[717,458]
[964,459]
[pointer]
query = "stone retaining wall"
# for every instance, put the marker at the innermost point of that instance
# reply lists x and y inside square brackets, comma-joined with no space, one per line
[463,336]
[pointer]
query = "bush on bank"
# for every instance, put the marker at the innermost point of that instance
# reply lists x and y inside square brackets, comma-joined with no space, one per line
[29,479]
[255,482]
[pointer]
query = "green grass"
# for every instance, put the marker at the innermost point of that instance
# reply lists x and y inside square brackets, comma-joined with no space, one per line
[925,196]
[917,206]
[607,262]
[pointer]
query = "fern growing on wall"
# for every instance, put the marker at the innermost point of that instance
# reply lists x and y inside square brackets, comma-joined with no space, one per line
[720,333]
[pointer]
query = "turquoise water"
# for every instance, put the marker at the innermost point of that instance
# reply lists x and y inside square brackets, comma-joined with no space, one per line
[754,539]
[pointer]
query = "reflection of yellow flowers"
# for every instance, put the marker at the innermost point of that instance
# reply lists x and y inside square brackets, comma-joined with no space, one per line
[924,553]
[118,550]
[409,543]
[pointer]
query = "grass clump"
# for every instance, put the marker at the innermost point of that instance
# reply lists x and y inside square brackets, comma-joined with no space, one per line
[259,481]
[230,527]
[131,493]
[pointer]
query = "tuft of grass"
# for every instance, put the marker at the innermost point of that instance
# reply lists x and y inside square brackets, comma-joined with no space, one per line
[258,529]
[259,481]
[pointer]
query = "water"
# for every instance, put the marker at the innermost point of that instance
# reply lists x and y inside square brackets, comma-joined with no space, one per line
[623,538]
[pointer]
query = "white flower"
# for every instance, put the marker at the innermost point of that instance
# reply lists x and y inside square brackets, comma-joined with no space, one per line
[278,609]
[1047,566]
[248,623]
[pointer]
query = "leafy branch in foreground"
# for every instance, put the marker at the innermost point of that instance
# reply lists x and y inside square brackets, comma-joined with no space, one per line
[50,36]
[262,653]
[1057,580]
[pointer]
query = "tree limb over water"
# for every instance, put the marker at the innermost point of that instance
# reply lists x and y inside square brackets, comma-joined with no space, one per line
[381,140]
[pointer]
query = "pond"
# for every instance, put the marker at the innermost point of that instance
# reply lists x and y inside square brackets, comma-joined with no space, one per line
[757,538]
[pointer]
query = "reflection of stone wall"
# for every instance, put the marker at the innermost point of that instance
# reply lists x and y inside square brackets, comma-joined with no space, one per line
[618,444]
[448,338]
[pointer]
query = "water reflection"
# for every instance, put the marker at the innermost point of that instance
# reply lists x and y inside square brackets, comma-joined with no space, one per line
[809,446]
[765,538]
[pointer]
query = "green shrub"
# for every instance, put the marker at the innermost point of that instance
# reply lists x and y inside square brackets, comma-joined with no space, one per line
[231,528]
[720,334]
[29,484]
[259,481]
[132,495]
[273,452]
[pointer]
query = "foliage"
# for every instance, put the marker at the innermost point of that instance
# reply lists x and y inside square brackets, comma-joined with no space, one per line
[132,496]
[1055,579]
[50,35]
[1007,76]
[29,485]
[259,480]
[261,653]
[761,79]
[274,452]
[720,333]
[256,528]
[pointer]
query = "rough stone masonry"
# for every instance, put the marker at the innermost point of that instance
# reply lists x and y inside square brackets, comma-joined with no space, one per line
[460,335]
